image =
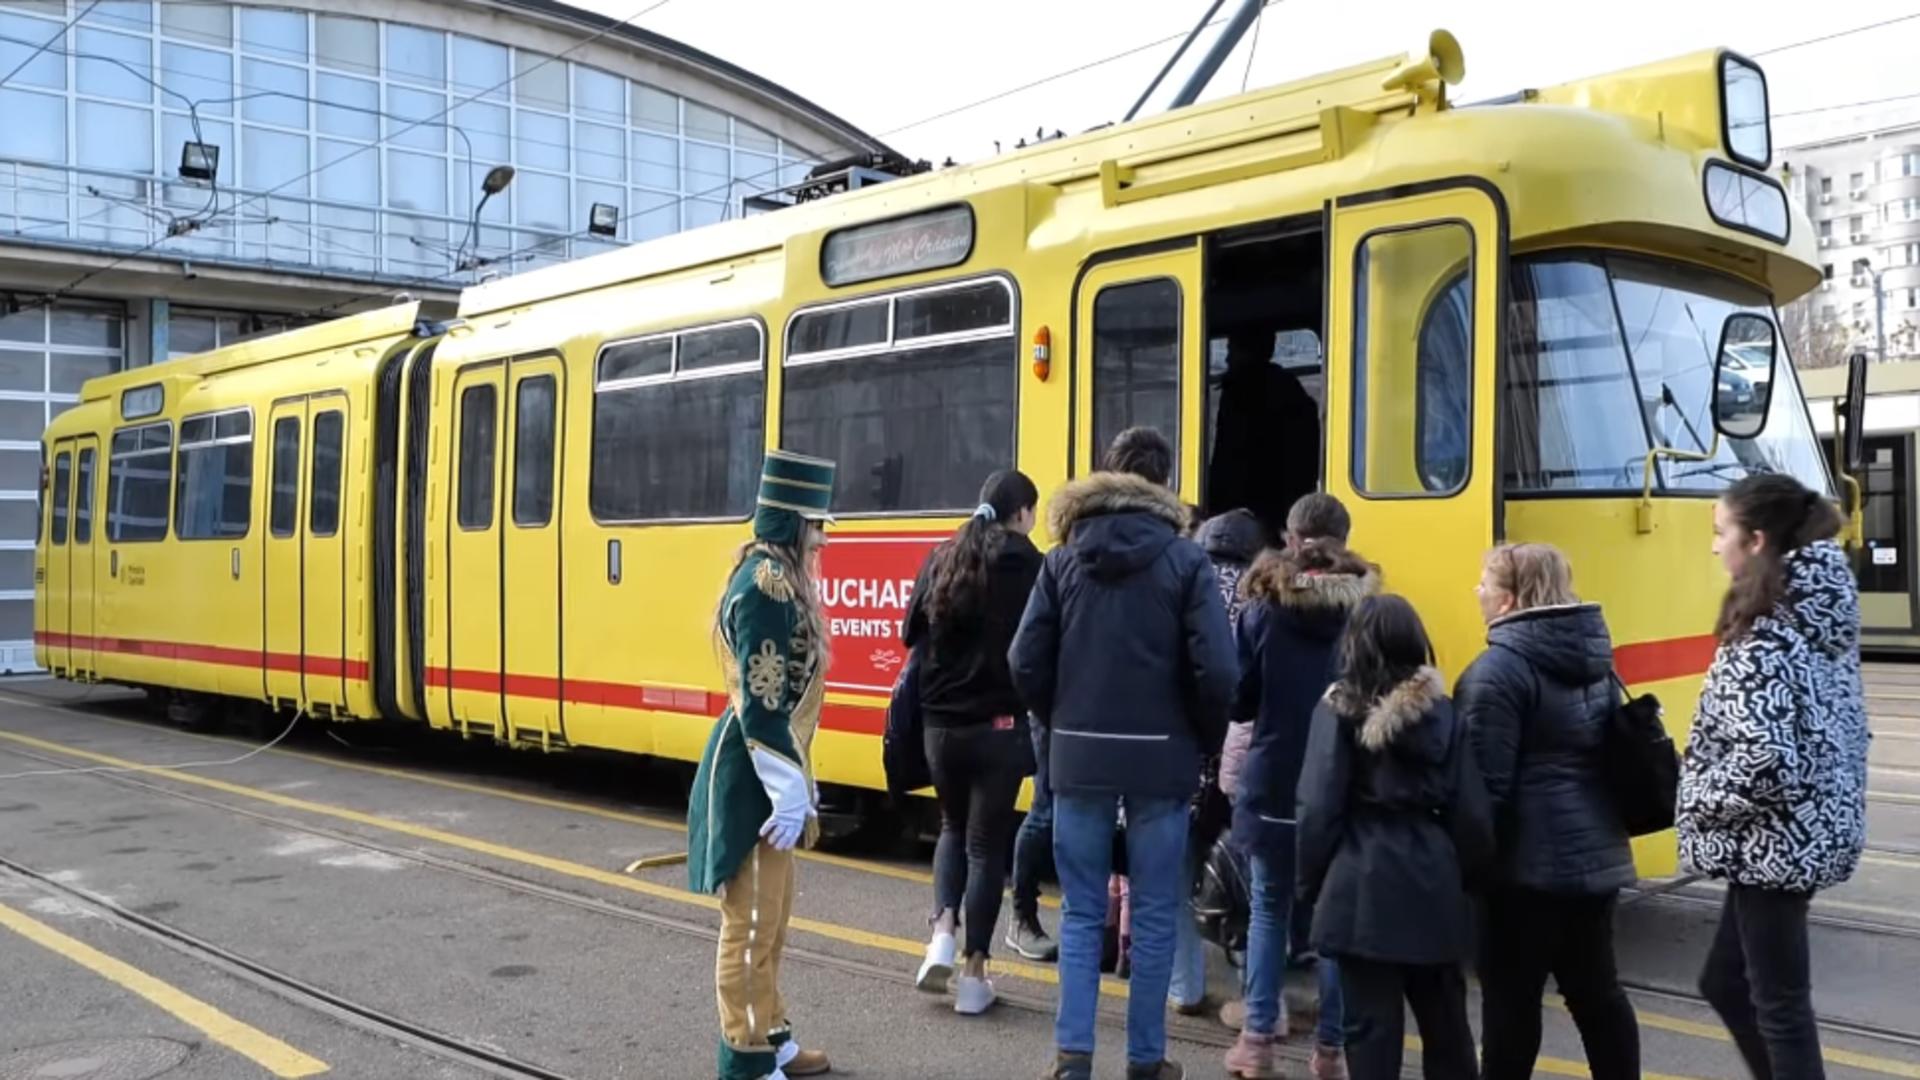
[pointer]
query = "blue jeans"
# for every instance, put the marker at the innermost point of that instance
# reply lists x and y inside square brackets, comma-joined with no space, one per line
[1083,852]
[1034,844]
[1268,931]
[1189,982]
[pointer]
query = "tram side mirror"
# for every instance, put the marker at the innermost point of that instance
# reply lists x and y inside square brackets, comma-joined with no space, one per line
[1854,450]
[1743,375]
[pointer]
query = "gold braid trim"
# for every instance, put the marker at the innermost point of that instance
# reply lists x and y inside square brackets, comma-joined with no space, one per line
[771,580]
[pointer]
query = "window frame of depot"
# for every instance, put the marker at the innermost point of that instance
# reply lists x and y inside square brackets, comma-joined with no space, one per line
[894,345]
[118,484]
[1359,362]
[219,445]
[739,466]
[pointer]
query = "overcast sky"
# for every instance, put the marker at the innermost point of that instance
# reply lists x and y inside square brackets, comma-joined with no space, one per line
[889,65]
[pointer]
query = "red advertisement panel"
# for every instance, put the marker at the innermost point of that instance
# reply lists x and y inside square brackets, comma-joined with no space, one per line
[866,581]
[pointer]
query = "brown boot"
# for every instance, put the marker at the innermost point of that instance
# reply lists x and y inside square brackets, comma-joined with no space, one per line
[1253,1058]
[1329,1063]
[808,1063]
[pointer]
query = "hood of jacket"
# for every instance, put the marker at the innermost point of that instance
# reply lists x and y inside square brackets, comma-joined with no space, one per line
[1278,579]
[1569,642]
[1116,524]
[1821,603]
[1233,537]
[1396,716]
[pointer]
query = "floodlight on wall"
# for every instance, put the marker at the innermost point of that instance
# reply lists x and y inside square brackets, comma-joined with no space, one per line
[603,219]
[199,161]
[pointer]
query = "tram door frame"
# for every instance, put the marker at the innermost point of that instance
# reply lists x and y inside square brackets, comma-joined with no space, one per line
[530,562]
[303,582]
[82,567]
[1180,262]
[59,582]
[1433,539]
[476,645]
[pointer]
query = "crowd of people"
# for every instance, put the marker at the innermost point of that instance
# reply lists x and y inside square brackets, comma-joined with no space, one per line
[1199,699]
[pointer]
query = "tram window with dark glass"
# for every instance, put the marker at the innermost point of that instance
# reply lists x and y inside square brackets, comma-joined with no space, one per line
[139,483]
[1885,517]
[213,492]
[1136,361]
[478,427]
[323,510]
[83,498]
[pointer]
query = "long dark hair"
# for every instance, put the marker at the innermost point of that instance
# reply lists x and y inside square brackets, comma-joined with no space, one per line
[1385,645]
[958,568]
[1789,516]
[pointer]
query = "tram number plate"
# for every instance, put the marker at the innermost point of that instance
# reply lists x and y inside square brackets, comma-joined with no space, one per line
[866,583]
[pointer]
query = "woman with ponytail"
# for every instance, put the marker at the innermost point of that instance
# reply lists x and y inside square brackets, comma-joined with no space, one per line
[966,606]
[1773,790]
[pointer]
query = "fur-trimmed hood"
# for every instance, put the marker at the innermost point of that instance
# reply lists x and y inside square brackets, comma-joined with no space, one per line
[1116,524]
[1277,578]
[1384,722]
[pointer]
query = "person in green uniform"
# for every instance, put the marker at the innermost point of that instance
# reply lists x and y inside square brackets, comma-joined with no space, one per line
[754,799]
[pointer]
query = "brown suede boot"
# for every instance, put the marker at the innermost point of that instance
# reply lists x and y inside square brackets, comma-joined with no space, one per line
[1253,1058]
[1329,1063]
[808,1063]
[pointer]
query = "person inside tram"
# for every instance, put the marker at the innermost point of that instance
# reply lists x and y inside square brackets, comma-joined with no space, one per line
[1537,704]
[1773,785]
[1266,449]
[965,607]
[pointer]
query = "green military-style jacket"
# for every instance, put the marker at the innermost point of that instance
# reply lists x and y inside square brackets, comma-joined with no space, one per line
[775,686]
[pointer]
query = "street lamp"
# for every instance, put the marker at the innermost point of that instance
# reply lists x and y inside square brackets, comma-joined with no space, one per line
[496,181]
[1865,266]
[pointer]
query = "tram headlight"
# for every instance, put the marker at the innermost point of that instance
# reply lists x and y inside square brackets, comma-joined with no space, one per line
[1743,111]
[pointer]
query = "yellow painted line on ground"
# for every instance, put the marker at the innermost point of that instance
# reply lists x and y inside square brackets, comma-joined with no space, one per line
[831,931]
[899,873]
[564,867]
[264,1050]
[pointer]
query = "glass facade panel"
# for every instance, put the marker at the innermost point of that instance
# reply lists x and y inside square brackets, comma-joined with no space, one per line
[705,122]
[540,81]
[656,161]
[346,43]
[745,134]
[36,127]
[49,69]
[598,94]
[542,141]
[601,151]
[210,23]
[68,371]
[416,119]
[652,215]
[22,370]
[481,68]
[351,106]
[706,171]
[115,137]
[202,77]
[274,32]
[270,159]
[542,201]
[416,55]
[487,129]
[655,109]
[417,182]
[348,173]
[276,93]
[114,65]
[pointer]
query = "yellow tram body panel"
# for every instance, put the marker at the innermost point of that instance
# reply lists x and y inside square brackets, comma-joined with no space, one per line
[572,459]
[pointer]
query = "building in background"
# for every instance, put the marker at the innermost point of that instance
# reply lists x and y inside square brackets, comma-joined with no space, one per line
[179,175]
[1862,192]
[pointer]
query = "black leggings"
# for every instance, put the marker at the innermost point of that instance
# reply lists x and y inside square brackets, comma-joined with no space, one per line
[1531,935]
[1757,978]
[1378,996]
[977,770]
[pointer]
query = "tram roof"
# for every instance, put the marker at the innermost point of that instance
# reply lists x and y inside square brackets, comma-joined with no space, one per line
[1615,159]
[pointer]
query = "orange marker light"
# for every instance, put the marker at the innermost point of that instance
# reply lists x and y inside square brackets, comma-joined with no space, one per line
[1042,353]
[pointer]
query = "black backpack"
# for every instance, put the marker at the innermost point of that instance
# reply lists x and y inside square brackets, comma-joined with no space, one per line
[1641,766]
[1222,903]
[903,748]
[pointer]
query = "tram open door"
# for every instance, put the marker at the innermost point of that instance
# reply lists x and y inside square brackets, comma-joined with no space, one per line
[1414,325]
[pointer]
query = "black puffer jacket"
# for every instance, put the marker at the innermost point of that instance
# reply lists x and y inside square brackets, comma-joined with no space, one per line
[1394,824]
[963,666]
[1289,639]
[1536,705]
[1124,651]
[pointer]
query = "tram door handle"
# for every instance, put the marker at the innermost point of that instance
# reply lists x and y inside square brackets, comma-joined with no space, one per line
[113,564]
[236,564]
[613,562]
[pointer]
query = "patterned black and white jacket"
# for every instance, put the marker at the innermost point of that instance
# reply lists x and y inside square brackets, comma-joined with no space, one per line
[1773,791]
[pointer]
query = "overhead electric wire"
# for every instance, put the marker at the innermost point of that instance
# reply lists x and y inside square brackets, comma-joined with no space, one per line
[1837,34]
[45,45]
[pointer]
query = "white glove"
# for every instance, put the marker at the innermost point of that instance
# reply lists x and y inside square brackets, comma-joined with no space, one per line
[790,792]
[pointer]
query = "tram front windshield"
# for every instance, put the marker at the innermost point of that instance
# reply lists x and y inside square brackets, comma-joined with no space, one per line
[1611,355]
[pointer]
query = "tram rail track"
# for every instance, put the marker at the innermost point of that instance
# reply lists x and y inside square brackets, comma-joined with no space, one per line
[1838,922]
[368,1018]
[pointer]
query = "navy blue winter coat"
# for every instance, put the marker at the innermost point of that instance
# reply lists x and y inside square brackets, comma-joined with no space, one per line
[1289,637]
[1125,652]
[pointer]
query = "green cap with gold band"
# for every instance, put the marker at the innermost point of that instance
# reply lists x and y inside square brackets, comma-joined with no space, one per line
[793,488]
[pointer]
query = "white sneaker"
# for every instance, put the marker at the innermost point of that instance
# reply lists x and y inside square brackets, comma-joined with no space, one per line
[972,996]
[937,968]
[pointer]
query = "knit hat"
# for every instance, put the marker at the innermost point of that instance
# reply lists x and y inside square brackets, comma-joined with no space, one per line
[793,489]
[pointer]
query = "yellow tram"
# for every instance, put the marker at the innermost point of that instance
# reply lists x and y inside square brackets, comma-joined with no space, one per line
[1509,317]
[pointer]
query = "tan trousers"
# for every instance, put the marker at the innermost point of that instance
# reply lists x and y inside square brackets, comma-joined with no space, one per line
[754,907]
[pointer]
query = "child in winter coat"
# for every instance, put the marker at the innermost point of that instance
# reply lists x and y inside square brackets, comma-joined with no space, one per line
[1394,821]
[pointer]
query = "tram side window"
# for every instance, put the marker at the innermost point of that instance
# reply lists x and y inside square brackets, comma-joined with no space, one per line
[477,428]
[1136,361]
[914,394]
[679,427]
[62,481]
[284,513]
[1411,420]
[323,508]
[533,452]
[83,498]
[139,483]
[213,491]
